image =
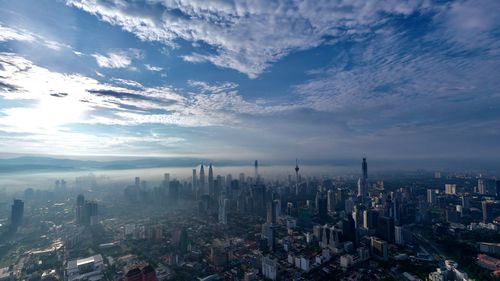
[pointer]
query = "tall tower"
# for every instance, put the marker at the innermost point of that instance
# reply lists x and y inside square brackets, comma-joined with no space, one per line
[363,181]
[202,179]
[223,209]
[210,180]
[80,202]
[166,180]
[17,213]
[194,180]
[297,176]
[256,172]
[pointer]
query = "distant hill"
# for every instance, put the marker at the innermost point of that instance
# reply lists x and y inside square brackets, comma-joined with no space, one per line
[29,163]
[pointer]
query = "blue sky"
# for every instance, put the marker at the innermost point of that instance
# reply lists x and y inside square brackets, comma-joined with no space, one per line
[250,79]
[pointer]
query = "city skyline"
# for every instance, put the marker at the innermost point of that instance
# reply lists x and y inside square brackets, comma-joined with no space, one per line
[249,140]
[264,80]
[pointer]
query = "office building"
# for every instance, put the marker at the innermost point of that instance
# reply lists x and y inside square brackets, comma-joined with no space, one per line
[223,209]
[17,213]
[431,196]
[202,181]
[379,248]
[269,268]
[450,189]
[487,209]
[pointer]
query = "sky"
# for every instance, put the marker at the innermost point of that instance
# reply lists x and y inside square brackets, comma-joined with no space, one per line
[256,79]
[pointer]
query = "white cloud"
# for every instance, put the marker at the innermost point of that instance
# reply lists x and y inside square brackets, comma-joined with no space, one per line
[117,59]
[153,68]
[8,33]
[126,82]
[247,35]
[81,99]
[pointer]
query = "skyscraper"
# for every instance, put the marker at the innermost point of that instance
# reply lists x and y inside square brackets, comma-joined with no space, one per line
[450,189]
[210,180]
[256,172]
[296,176]
[17,213]
[385,228]
[242,178]
[363,181]
[487,208]
[202,180]
[194,181]
[330,201]
[481,186]
[271,213]
[431,196]
[90,213]
[166,180]
[79,209]
[223,208]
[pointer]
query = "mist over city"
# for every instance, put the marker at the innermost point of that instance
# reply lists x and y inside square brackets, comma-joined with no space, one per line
[249,140]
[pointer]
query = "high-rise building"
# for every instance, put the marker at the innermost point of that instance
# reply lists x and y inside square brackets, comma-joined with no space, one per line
[17,213]
[256,172]
[174,190]
[431,196]
[242,178]
[450,189]
[363,181]
[487,208]
[223,209]
[268,234]
[357,216]
[481,186]
[321,205]
[398,235]
[211,190]
[194,181]
[202,180]
[465,202]
[277,207]
[80,209]
[379,248]
[297,183]
[385,228]
[269,268]
[166,180]
[90,216]
[330,201]
[271,213]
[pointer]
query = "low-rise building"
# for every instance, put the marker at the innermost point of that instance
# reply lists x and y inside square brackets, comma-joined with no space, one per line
[90,268]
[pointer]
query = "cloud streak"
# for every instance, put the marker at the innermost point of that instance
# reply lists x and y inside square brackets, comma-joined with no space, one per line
[117,59]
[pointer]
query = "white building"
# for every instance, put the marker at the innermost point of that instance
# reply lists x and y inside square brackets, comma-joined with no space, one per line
[90,268]
[345,261]
[398,235]
[269,268]
[223,208]
[431,196]
[450,189]
[7,274]
[305,264]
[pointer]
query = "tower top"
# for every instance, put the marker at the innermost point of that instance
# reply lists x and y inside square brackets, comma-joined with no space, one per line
[296,165]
